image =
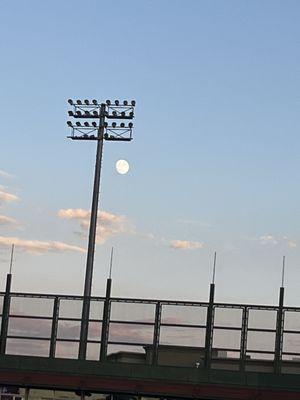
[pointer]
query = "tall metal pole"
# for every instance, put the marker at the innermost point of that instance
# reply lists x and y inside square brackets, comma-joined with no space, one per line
[92,238]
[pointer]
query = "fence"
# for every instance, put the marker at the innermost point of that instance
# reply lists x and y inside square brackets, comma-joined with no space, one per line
[154,332]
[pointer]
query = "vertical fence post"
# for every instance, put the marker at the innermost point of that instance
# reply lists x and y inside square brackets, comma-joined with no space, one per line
[209,327]
[279,333]
[156,333]
[105,321]
[54,327]
[243,349]
[5,315]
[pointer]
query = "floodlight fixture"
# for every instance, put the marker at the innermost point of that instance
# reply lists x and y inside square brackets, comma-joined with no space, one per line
[70,124]
[86,124]
[131,114]
[86,101]
[125,103]
[95,113]
[87,113]
[94,102]
[70,101]
[130,125]
[117,102]
[108,102]
[114,125]
[133,103]
[78,123]
[94,124]
[122,125]
[70,113]
[114,113]
[78,113]
[79,102]
[123,113]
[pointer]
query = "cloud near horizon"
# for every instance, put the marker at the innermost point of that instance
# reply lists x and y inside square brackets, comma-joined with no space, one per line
[6,197]
[4,220]
[270,240]
[186,245]
[37,246]
[5,174]
[108,224]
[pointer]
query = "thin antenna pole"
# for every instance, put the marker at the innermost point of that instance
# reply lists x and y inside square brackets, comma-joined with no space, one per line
[11,258]
[111,262]
[214,268]
[283,271]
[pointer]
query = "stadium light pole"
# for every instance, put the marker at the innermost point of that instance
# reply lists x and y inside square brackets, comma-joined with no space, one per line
[99,130]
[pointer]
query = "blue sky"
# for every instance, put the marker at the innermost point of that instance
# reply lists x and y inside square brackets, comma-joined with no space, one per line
[215,156]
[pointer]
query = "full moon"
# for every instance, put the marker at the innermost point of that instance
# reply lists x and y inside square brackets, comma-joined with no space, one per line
[122,167]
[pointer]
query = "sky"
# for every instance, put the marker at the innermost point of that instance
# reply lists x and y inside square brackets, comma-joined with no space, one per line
[214,164]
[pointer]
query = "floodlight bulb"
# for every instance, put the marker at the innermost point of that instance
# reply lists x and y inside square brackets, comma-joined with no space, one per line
[86,102]
[117,102]
[79,102]
[70,101]
[94,101]
[133,103]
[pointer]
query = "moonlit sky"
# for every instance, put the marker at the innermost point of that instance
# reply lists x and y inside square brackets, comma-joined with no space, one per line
[214,164]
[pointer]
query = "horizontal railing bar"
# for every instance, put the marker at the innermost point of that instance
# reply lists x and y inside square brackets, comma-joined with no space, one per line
[289,353]
[113,321]
[235,350]
[93,341]
[261,330]
[28,337]
[290,331]
[19,316]
[67,340]
[153,301]
[129,343]
[261,351]
[69,319]
[227,328]
[22,316]
[183,325]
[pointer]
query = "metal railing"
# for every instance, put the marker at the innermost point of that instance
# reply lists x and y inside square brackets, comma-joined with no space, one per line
[155,332]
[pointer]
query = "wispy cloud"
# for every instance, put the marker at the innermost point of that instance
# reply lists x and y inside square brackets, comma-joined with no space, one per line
[108,224]
[5,174]
[271,240]
[36,246]
[4,220]
[186,245]
[74,213]
[6,197]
